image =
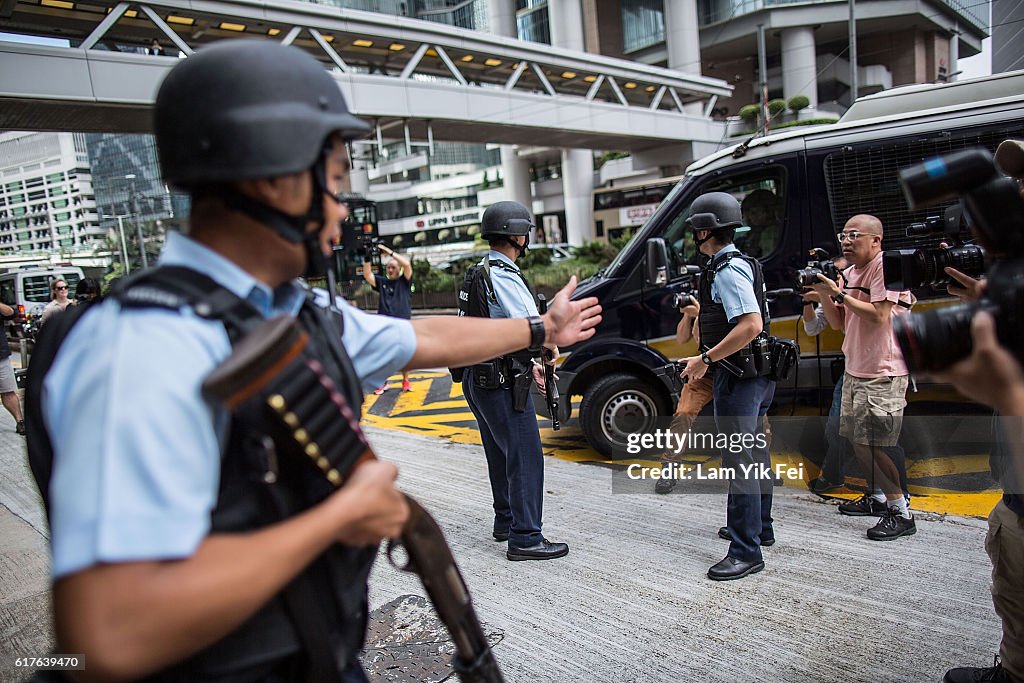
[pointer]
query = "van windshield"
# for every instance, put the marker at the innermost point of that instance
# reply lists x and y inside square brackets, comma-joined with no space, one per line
[762,197]
[666,203]
[37,289]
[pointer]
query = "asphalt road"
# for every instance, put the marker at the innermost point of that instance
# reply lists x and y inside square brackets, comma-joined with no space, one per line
[630,602]
[956,485]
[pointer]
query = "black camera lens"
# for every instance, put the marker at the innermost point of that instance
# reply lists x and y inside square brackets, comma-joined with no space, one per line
[681,299]
[805,277]
[916,268]
[933,340]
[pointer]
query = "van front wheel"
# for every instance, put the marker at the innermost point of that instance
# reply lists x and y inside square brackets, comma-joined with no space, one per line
[615,407]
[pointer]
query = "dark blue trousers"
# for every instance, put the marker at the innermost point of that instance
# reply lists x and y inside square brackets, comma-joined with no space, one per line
[740,406]
[515,462]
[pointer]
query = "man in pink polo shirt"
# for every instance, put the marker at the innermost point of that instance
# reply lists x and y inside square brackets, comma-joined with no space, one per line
[875,384]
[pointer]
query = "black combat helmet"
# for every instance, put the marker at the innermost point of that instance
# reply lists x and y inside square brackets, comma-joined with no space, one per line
[505,219]
[247,109]
[243,109]
[714,211]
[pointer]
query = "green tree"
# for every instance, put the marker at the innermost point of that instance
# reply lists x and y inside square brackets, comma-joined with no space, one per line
[798,102]
[750,112]
[152,233]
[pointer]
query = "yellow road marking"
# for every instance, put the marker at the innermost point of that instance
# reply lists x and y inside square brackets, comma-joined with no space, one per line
[447,419]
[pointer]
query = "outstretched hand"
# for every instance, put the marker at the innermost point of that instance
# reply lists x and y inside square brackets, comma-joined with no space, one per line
[568,322]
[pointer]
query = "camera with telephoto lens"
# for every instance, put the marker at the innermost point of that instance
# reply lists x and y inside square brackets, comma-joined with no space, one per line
[933,340]
[916,268]
[820,264]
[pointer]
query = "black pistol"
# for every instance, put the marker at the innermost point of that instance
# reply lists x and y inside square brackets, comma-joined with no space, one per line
[550,386]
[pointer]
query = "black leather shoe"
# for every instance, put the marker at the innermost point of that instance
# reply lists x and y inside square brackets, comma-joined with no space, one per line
[723,532]
[545,550]
[730,568]
[500,535]
[665,485]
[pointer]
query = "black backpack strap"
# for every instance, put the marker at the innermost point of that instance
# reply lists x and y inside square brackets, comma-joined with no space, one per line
[755,271]
[512,269]
[178,287]
[900,302]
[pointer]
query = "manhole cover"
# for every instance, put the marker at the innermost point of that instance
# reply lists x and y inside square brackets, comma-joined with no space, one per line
[406,642]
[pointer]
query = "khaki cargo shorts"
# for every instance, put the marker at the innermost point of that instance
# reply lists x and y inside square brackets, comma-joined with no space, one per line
[7,383]
[872,409]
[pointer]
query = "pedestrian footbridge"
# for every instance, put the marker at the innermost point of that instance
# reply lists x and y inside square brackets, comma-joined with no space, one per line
[413,78]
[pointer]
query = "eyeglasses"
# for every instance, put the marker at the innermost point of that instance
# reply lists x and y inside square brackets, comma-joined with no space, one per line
[64,287]
[850,236]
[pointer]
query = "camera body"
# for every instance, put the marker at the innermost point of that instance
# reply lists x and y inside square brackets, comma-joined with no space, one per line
[370,246]
[805,277]
[688,287]
[683,298]
[820,264]
[923,267]
[935,339]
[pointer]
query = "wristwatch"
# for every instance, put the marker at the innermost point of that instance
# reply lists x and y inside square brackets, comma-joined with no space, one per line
[536,333]
[838,298]
[706,358]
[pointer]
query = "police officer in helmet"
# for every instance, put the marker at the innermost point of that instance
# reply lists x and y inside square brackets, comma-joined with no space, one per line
[733,312]
[498,391]
[166,561]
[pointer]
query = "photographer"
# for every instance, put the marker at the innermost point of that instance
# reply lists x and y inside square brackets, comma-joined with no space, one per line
[876,377]
[992,375]
[395,293]
[696,393]
[838,453]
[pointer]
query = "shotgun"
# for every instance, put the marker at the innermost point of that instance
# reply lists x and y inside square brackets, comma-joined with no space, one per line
[550,386]
[274,385]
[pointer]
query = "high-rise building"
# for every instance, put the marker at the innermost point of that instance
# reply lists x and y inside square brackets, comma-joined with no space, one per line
[127,183]
[806,51]
[46,194]
[1007,35]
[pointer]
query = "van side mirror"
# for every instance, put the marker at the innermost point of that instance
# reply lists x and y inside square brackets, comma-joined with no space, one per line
[657,262]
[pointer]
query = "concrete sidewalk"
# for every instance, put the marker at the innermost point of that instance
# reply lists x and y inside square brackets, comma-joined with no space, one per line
[631,602]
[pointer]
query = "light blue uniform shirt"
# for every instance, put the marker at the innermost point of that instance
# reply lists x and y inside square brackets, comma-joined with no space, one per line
[514,299]
[733,286]
[136,447]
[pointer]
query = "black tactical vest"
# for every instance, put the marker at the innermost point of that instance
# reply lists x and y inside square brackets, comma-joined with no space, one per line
[475,297]
[269,641]
[713,322]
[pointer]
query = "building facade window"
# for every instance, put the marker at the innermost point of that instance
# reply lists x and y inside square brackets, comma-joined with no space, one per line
[643,24]
[532,21]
